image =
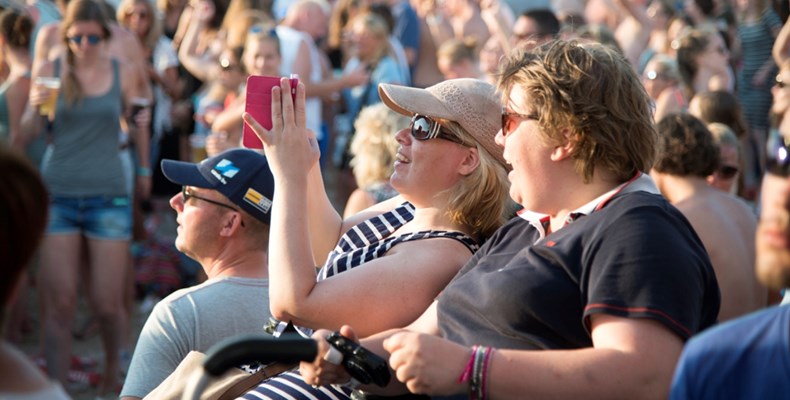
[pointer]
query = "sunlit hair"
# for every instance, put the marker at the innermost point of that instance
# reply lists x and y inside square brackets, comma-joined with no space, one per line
[374,145]
[80,11]
[686,147]
[16,28]
[722,106]
[457,50]
[590,95]
[480,199]
[24,205]
[123,14]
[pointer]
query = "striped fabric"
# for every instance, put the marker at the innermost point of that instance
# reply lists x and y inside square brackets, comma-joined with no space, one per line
[362,243]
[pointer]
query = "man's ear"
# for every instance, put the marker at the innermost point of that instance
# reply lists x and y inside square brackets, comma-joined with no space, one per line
[470,162]
[231,222]
[565,149]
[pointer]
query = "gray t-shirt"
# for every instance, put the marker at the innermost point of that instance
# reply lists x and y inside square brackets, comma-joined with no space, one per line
[194,319]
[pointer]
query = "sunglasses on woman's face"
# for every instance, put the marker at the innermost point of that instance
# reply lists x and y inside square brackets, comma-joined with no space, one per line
[778,155]
[92,39]
[424,128]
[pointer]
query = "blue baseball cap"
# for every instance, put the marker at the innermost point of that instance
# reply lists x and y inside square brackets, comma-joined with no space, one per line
[241,175]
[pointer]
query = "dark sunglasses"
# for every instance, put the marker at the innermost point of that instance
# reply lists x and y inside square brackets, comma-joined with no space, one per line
[779,82]
[727,171]
[509,120]
[92,39]
[424,128]
[778,155]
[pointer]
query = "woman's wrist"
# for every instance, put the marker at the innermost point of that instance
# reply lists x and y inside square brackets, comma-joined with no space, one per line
[143,171]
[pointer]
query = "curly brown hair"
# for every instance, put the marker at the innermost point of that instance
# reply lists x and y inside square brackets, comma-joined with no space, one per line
[686,147]
[591,90]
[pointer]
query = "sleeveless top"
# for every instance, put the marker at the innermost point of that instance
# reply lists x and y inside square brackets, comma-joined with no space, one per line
[83,158]
[5,129]
[364,242]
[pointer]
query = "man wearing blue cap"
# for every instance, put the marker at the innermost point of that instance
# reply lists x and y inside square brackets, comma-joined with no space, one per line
[223,223]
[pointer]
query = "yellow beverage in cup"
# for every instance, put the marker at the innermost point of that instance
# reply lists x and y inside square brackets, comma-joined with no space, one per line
[198,144]
[53,84]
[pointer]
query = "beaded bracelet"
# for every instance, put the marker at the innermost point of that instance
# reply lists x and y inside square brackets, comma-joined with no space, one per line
[476,372]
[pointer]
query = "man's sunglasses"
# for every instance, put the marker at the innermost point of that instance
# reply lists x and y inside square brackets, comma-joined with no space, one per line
[92,39]
[424,128]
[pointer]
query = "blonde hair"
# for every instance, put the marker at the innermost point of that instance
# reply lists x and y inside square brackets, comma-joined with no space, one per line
[457,50]
[155,27]
[374,145]
[480,200]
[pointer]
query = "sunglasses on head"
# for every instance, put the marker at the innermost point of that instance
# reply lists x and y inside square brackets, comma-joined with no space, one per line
[424,128]
[92,39]
[727,171]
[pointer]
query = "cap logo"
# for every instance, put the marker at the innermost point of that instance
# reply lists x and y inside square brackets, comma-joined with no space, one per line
[223,169]
[257,200]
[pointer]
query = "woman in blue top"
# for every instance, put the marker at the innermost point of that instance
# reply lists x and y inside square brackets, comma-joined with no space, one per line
[83,171]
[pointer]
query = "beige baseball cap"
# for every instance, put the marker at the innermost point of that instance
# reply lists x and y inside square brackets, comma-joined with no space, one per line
[471,103]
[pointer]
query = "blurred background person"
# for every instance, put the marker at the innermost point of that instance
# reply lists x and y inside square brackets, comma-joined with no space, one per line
[88,203]
[663,84]
[533,28]
[704,62]
[261,56]
[724,223]
[457,58]
[725,178]
[490,54]
[140,17]
[16,29]
[373,153]
[23,216]
[723,107]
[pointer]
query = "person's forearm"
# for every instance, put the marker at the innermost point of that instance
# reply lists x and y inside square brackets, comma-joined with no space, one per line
[586,373]
[291,265]
[32,123]
[187,52]
[325,223]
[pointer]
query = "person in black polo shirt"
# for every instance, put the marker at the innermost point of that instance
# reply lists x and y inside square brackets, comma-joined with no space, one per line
[592,290]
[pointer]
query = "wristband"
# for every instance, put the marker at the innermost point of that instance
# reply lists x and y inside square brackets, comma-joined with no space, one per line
[143,171]
[333,356]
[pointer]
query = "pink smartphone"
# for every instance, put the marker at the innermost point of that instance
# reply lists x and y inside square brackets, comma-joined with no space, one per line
[259,104]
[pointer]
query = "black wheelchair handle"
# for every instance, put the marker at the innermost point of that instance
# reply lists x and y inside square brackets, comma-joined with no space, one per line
[263,348]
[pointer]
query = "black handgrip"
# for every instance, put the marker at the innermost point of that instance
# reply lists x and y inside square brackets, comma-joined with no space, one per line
[263,348]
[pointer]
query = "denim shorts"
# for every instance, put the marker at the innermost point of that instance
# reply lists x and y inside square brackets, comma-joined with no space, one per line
[95,217]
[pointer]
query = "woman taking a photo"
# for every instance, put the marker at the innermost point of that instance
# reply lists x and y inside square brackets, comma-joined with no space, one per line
[386,264]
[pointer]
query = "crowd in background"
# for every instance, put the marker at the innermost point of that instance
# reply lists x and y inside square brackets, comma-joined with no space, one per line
[141,81]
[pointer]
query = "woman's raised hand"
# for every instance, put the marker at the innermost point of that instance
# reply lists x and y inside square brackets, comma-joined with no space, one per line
[291,148]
